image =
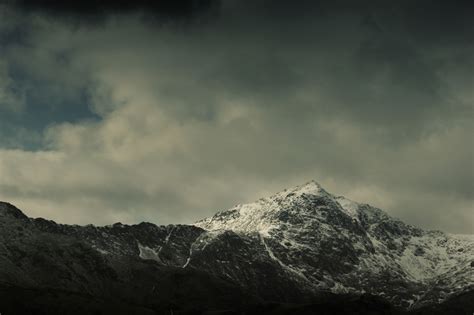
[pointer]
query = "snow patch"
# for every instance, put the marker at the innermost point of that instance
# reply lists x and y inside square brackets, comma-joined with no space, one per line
[350,207]
[310,188]
[148,253]
[102,251]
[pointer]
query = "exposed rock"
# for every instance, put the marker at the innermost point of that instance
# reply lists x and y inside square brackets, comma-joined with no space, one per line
[299,246]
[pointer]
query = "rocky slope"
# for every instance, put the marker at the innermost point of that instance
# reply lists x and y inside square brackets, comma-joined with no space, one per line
[328,242]
[301,250]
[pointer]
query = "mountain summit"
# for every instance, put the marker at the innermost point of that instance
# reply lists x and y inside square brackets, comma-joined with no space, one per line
[329,242]
[300,250]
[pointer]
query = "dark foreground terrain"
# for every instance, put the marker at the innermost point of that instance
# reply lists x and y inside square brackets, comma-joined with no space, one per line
[15,300]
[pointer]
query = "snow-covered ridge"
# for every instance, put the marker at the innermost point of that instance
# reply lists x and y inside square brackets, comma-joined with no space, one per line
[352,247]
[350,207]
[254,217]
[310,188]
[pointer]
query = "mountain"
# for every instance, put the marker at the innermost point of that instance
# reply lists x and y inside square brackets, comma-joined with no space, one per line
[330,243]
[302,250]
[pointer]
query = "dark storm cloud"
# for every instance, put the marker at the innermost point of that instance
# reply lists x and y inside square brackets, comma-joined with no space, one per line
[87,11]
[167,123]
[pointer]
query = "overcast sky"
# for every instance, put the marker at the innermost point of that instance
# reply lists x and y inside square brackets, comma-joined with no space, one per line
[167,113]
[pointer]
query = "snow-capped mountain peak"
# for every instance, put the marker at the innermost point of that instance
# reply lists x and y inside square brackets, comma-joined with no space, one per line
[342,246]
[310,188]
[261,216]
[309,200]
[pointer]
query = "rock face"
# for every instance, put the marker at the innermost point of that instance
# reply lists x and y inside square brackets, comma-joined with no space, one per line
[330,243]
[301,250]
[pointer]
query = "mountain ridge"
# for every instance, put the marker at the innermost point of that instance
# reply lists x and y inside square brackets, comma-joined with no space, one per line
[378,237]
[292,247]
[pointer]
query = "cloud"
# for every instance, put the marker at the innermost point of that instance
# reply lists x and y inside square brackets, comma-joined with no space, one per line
[185,121]
[90,12]
[11,98]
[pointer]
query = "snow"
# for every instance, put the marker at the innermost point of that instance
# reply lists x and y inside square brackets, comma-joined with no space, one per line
[418,268]
[187,261]
[432,259]
[272,256]
[350,207]
[251,217]
[340,288]
[148,253]
[255,217]
[102,251]
[310,188]
[167,239]
[201,243]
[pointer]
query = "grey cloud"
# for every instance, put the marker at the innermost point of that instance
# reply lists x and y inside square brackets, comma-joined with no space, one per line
[265,96]
[90,12]
[11,98]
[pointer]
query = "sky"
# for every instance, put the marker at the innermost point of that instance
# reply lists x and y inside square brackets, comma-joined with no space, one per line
[171,111]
